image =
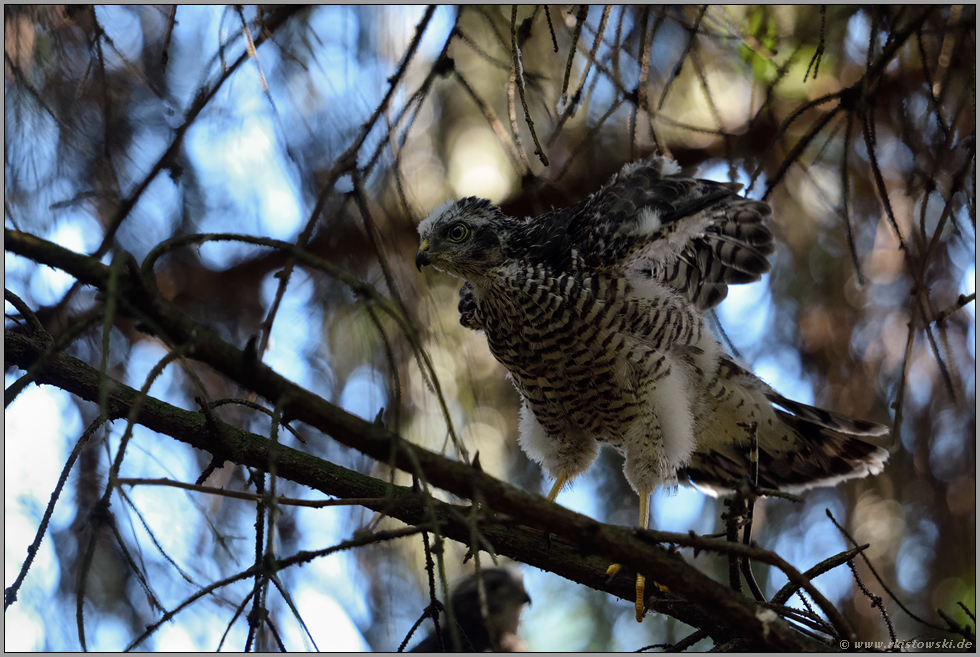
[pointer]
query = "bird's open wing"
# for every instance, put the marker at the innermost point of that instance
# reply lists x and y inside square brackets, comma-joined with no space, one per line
[648,221]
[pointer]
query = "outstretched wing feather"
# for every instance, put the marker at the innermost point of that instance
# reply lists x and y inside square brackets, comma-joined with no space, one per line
[697,236]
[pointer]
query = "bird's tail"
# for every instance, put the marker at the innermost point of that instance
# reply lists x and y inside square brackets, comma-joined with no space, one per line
[784,444]
[834,447]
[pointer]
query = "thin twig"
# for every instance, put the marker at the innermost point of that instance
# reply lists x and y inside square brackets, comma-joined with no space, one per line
[961,301]
[821,45]
[10,593]
[692,33]
[251,497]
[845,199]
[828,564]
[297,559]
[583,12]
[874,572]
[345,163]
[519,75]
[551,29]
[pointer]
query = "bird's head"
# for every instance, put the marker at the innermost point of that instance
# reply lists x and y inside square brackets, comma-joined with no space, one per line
[463,238]
[506,597]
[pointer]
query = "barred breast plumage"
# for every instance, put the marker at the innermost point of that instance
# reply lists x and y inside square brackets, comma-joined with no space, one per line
[592,358]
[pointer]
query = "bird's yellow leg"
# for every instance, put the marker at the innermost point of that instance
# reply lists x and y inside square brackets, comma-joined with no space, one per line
[559,484]
[641,581]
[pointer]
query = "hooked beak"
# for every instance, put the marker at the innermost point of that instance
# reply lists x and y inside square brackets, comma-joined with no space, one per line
[422,257]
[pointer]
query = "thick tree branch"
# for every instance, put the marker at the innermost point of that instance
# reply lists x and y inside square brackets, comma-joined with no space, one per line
[580,561]
[724,612]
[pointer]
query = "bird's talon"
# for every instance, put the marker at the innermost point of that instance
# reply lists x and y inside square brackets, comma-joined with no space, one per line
[612,571]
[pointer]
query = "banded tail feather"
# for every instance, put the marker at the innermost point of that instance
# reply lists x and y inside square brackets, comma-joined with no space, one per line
[798,446]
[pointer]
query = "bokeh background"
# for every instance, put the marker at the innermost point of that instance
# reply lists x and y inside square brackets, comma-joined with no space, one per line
[340,128]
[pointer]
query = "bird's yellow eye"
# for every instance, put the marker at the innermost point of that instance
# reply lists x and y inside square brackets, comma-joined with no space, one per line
[458,233]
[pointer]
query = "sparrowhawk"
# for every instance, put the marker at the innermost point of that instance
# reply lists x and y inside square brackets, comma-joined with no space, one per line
[596,311]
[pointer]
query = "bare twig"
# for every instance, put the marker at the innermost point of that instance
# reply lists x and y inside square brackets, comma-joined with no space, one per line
[814,64]
[251,497]
[10,593]
[583,12]
[874,572]
[519,76]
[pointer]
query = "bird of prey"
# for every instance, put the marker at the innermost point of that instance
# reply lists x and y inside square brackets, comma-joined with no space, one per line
[596,311]
[478,632]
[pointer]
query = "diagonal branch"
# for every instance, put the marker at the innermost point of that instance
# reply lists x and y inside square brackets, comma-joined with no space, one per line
[579,548]
[725,610]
